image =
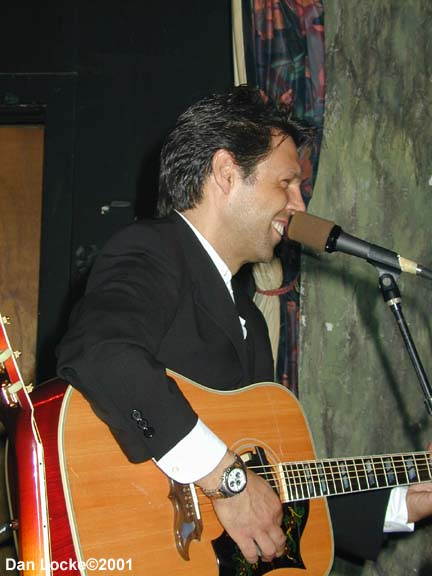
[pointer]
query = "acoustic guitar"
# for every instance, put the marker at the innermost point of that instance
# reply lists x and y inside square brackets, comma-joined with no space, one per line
[109,516]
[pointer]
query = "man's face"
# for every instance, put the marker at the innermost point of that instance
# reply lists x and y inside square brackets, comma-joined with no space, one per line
[264,202]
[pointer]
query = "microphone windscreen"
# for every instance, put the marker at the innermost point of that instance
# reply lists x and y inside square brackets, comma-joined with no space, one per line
[310,230]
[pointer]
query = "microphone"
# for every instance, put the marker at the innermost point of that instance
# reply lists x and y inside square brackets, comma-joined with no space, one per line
[324,235]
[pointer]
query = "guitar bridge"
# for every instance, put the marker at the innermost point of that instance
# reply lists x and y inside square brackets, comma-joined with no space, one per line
[187,519]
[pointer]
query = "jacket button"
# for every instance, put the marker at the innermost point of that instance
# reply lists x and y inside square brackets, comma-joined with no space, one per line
[149,432]
[142,424]
[136,415]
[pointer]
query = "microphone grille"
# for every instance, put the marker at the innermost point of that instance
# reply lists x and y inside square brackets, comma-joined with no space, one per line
[309,230]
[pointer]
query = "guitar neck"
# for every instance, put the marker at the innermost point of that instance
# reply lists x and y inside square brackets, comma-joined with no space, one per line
[330,477]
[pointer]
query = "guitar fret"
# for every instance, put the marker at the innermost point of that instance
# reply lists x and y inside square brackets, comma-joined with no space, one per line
[405,468]
[282,482]
[293,475]
[323,476]
[362,474]
[308,485]
[305,486]
[412,470]
[291,483]
[380,472]
[425,473]
[355,480]
[330,478]
[370,473]
[395,473]
[336,478]
[303,481]
[299,483]
[346,481]
[314,484]
[348,476]
[298,472]
[314,479]
[322,480]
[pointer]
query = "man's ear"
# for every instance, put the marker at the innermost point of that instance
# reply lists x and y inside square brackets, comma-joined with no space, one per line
[224,170]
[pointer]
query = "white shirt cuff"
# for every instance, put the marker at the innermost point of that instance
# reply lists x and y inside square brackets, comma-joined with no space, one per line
[195,456]
[396,519]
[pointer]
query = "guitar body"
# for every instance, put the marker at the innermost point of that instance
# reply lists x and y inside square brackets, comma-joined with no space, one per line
[123,512]
[80,506]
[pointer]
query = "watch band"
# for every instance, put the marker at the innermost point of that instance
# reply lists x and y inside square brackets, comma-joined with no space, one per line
[233,480]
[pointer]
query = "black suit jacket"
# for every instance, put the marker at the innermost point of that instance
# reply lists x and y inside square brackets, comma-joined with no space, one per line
[155,300]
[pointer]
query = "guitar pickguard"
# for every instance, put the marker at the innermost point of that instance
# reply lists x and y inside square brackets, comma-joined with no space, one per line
[232,563]
[229,558]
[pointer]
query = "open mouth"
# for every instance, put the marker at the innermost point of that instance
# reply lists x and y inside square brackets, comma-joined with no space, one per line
[279,227]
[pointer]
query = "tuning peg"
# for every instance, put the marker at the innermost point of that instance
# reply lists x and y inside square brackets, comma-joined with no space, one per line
[30,387]
[17,353]
[6,320]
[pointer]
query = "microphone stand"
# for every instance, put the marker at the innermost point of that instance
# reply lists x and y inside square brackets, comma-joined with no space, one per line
[391,294]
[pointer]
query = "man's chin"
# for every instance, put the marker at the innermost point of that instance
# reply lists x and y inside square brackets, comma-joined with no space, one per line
[265,258]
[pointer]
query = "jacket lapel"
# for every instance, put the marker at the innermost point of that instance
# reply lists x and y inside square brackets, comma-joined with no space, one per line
[210,292]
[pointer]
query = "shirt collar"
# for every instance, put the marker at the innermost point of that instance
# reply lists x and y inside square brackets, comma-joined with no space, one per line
[223,269]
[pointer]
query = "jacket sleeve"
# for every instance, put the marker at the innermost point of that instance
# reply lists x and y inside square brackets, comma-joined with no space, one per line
[358,523]
[110,350]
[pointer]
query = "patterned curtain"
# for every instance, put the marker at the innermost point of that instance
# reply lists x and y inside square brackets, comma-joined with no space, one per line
[284,57]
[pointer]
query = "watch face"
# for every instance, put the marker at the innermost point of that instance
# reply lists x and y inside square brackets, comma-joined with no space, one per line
[236,480]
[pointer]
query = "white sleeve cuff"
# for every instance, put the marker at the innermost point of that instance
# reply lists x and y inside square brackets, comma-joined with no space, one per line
[195,456]
[396,519]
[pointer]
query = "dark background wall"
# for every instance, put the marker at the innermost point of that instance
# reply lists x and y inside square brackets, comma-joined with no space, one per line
[108,79]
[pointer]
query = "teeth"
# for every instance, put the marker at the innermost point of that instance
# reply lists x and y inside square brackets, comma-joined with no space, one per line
[279,227]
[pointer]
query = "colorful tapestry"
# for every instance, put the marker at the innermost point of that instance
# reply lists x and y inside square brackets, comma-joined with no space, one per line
[285,59]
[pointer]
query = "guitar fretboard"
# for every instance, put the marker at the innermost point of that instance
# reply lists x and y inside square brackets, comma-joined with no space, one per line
[313,479]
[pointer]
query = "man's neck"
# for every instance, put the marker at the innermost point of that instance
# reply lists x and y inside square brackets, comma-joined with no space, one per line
[210,229]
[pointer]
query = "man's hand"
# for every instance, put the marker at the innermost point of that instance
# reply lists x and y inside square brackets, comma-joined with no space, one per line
[252,518]
[419,500]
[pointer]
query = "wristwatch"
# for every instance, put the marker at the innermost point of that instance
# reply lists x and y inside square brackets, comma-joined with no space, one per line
[232,482]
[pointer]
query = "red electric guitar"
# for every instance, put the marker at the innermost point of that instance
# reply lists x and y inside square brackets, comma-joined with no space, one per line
[83,508]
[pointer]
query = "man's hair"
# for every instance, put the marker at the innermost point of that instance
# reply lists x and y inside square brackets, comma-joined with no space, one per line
[240,122]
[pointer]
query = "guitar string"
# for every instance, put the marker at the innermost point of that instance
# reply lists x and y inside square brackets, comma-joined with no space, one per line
[362,481]
[404,456]
[346,471]
[304,472]
[356,465]
[304,484]
[302,492]
[298,484]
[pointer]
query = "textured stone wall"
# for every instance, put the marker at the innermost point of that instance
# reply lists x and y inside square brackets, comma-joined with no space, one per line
[357,384]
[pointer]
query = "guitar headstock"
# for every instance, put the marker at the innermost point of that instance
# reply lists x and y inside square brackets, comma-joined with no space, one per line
[13,392]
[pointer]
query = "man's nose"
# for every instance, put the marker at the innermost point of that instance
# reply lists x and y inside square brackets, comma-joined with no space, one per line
[295,200]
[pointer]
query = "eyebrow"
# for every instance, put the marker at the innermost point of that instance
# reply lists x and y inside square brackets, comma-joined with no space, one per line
[292,175]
